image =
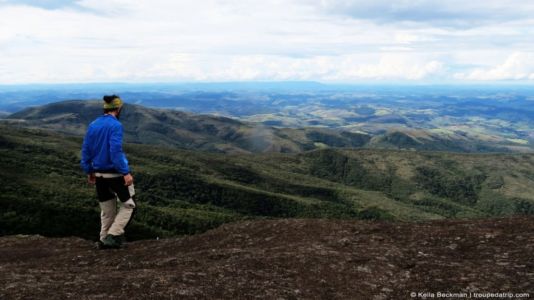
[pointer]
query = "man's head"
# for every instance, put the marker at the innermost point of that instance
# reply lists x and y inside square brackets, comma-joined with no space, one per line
[112,103]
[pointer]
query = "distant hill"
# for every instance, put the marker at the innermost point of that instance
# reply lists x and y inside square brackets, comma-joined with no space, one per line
[282,259]
[461,118]
[43,190]
[425,140]
[220,134]
[184,130]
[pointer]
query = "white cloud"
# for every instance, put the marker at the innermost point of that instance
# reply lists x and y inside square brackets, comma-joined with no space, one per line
[518,66]
[164,40]
[391,67]
[325,68]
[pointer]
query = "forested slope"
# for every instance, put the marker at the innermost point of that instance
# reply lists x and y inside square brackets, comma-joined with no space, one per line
[180,191]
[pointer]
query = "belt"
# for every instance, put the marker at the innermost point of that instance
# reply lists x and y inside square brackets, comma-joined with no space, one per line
[108,175]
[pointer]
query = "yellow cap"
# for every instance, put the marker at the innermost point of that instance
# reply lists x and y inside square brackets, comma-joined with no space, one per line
[115,103]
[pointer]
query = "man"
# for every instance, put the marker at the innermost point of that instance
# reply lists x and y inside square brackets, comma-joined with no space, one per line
[106,165]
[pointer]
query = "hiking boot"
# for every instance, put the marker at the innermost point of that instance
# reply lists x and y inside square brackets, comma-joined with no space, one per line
[99,245]
[112,241]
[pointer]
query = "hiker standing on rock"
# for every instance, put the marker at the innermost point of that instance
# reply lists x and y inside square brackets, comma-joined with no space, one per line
[106,165]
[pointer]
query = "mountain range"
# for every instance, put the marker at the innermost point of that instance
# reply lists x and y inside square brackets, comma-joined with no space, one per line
[464,118]
[222,134]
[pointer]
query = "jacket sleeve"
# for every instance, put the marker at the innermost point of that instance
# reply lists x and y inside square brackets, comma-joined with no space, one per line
[117,155]
[87,157]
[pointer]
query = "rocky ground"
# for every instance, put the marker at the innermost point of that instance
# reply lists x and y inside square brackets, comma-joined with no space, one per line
[281,259]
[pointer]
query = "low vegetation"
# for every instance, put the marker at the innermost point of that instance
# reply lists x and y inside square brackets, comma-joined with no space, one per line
[181,192]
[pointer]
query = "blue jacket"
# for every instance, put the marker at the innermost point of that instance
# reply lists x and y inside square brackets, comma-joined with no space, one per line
[102,147]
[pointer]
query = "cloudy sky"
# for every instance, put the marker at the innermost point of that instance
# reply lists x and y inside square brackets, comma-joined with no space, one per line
[427,41]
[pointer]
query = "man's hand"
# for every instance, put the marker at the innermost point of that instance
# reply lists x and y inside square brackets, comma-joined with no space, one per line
[91,178]
[128,179]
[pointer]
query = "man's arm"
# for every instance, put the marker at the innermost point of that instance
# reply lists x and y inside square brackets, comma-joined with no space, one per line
[117,155]
[87,157]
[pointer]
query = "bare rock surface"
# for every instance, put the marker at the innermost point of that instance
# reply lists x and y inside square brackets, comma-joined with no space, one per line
[280,259]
